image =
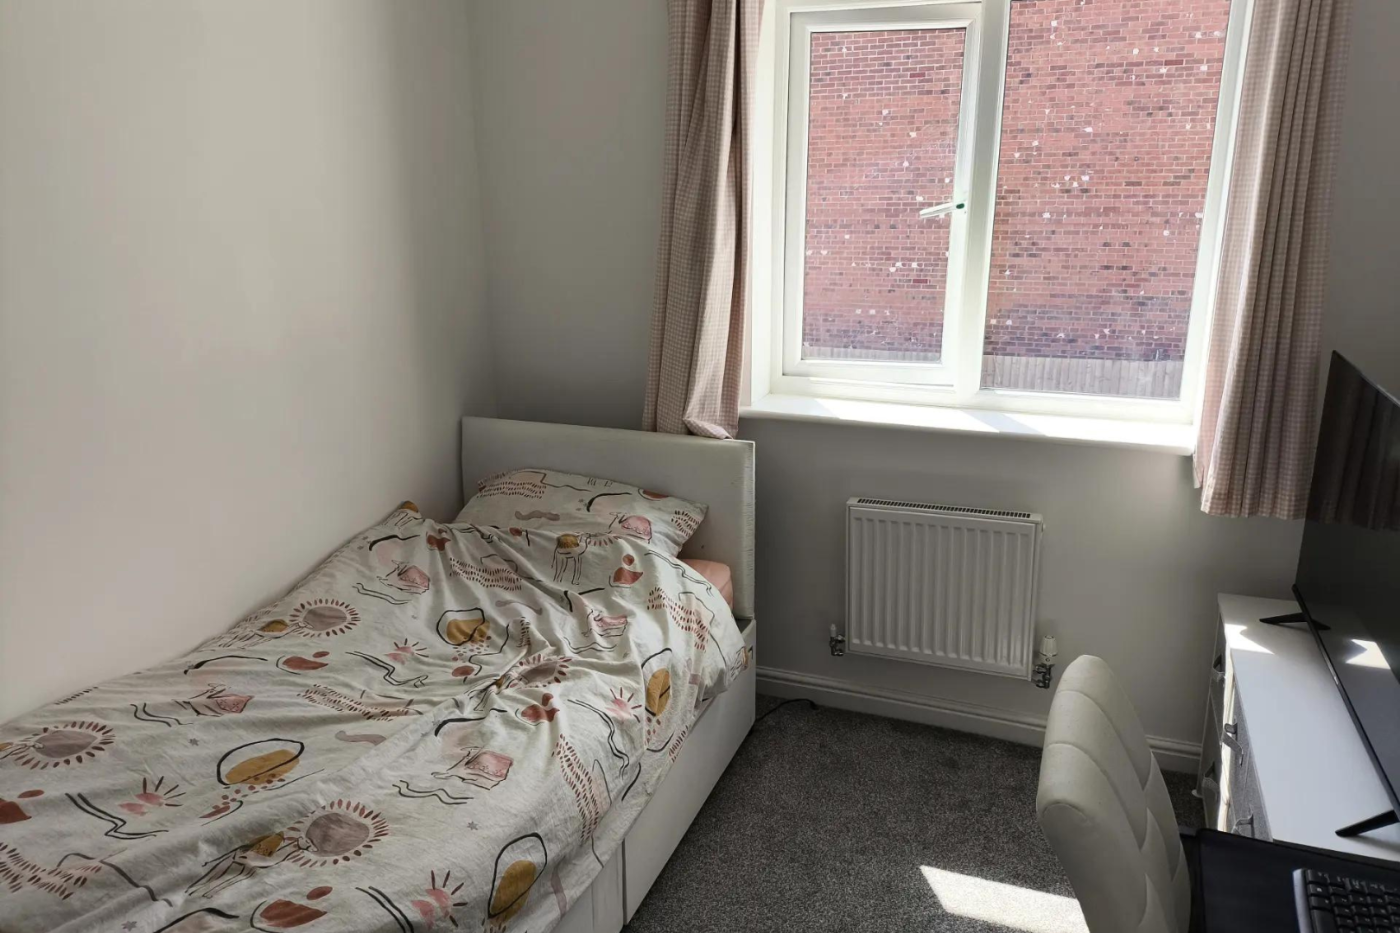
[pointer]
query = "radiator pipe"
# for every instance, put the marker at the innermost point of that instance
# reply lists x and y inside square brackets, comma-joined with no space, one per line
[1041,674]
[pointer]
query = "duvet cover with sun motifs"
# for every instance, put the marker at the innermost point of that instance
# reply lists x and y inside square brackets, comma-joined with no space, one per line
[435,730]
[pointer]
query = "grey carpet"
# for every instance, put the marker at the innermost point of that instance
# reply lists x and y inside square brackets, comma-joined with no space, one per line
[825,819]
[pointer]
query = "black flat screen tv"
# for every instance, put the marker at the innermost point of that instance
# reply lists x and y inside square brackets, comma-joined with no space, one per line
[1348,580]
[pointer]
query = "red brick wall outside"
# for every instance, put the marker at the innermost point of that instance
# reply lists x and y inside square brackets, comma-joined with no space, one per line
[881,135]
[1106,144]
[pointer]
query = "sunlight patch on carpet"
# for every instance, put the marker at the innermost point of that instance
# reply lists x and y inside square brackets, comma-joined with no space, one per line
[1004,904]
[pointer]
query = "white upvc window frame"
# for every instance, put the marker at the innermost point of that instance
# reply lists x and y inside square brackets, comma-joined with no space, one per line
[804,24]
[780,163]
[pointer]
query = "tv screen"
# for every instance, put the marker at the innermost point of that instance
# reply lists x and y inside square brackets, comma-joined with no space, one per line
[1348,580]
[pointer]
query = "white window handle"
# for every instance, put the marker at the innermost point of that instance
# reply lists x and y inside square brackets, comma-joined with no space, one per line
[938,210]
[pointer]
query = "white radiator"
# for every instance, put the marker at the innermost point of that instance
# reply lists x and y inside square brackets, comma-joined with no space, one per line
[942,585]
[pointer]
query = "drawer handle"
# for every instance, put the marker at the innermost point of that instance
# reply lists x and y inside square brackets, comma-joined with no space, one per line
[1231,737]
[1217,671]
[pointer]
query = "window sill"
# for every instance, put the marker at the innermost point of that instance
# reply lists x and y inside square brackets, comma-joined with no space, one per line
[1179,439]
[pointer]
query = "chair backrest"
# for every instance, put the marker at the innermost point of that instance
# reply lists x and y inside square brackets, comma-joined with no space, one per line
[1104,807]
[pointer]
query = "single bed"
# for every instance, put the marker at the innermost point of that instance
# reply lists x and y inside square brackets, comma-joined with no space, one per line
[721,474]
[499,722]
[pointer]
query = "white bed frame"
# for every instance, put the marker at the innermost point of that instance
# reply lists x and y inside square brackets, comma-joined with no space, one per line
[719,474]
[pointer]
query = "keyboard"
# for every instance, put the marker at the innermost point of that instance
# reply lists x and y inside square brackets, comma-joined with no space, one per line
[1332,903]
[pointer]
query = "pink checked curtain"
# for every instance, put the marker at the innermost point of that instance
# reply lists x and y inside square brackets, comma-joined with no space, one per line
[1255,447]
[700,310]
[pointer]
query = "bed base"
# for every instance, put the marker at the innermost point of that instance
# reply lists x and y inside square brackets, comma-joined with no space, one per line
[618,890]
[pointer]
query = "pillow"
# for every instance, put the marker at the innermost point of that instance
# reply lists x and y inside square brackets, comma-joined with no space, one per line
[565,502]
[718,574]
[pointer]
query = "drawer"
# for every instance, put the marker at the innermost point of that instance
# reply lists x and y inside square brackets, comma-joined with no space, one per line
[600,906]
[1217,688]
[1208,778]
[1246,814]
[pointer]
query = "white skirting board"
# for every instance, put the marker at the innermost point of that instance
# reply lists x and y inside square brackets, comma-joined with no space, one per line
[1025,728]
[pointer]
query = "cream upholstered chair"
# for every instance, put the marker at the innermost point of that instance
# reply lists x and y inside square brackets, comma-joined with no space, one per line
[1104,807]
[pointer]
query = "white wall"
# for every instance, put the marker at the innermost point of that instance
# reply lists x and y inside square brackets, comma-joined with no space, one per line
[240,308]
[1129,570]
[570,110]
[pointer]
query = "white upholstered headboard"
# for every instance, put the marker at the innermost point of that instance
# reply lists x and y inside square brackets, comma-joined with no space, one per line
[717,473]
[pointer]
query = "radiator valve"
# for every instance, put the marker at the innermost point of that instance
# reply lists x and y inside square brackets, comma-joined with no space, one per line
[1041,674]
[837,643]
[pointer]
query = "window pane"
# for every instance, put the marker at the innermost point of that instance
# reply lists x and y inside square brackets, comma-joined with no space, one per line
[882,138]
[1105,148]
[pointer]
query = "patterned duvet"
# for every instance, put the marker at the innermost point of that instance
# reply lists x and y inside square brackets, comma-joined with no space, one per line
[442,727]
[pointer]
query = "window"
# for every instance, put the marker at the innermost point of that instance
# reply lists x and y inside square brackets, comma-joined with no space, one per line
[1006,204]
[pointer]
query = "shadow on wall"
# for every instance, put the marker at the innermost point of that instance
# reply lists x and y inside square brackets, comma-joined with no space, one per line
[571,102]
[439,203]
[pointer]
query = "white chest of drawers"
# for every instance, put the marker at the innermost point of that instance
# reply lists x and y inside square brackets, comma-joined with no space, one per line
[1281,758]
